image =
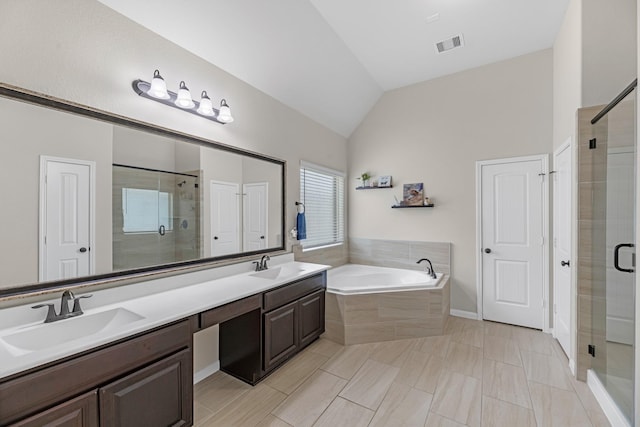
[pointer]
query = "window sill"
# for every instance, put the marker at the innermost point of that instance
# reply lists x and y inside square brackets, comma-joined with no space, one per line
[314,248]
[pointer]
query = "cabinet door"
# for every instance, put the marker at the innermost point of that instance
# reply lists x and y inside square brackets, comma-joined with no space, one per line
[79,412]
[280,334]
[311,317]
[158,395]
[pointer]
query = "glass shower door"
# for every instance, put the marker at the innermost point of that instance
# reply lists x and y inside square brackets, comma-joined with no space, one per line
[613,253]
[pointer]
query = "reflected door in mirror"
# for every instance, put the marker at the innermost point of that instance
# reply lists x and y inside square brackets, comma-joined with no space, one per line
[66,217]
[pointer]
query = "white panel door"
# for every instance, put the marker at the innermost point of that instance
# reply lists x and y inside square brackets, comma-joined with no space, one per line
[225,218]
[255,216]
[512,243]
[562,268]
[620,226]
[66,214]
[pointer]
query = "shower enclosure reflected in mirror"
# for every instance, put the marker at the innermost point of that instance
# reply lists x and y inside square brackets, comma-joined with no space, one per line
[96,196]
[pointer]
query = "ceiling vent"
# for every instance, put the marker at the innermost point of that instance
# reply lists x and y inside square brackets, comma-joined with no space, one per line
[450,43]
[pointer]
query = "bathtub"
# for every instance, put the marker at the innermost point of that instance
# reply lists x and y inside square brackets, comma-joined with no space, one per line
[365,304]
[366,279]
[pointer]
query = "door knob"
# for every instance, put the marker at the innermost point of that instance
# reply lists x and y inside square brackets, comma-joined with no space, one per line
[215,237]
[262,237]
[487,251]
[564,263]
[83,250]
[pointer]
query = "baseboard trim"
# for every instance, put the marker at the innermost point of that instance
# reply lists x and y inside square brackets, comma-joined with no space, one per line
[466,314]
[572,366]
[206,372]
[609,407]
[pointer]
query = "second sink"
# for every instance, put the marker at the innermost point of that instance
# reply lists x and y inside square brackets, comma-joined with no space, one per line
[278,272]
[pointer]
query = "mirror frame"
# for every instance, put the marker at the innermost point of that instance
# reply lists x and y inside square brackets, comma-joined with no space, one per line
[181,267]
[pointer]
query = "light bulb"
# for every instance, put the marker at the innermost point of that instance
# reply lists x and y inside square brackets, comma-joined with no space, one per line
[158,87]
[224,115]
[206,107]
[184,97]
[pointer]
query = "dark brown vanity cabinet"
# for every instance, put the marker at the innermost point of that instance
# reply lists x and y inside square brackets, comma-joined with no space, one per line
[145,380]
[281,335]
[284,321]
[294,325]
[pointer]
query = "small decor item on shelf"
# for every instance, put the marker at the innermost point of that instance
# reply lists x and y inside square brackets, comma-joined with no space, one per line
[413,194]
[427,201]
[365,177]
[384,181]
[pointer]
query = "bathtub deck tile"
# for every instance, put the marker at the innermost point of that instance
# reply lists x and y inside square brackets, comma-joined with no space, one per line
[370,332]
[333,307]
[359,309]
[334,331]
[404,305]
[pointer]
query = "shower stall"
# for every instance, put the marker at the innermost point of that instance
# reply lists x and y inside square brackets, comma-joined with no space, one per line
[609,222]
[156,217]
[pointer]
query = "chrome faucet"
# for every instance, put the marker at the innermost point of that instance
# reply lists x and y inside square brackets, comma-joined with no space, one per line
[64,307]
[262,264]
[429,269]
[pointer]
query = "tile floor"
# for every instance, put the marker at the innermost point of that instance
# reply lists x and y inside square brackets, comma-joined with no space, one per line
[477,374]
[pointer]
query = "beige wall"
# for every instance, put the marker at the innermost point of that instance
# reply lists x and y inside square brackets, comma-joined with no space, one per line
[26,133]
[567,74]
[434,132]
[608,49]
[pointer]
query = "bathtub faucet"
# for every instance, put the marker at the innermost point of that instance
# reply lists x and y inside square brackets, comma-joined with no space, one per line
[428,270]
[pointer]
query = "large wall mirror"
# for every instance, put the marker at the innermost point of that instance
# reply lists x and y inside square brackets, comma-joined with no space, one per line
[89,195]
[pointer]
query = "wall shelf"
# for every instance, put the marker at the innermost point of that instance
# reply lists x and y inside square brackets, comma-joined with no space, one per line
[373,188]
[406,207]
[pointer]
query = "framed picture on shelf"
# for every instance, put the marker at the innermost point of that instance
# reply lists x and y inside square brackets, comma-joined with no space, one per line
[413,194]
[384,181]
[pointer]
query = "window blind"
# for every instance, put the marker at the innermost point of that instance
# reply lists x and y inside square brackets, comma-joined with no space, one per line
[322,192]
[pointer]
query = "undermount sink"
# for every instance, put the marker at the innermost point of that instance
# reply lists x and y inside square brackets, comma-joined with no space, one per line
[46,335]
[278,272]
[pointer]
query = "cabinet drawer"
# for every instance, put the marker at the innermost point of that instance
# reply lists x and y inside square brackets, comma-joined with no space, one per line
[229,311]
[280,296]
[81,411]
[33,392]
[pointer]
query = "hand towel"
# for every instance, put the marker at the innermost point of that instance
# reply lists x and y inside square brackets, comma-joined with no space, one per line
[301,225]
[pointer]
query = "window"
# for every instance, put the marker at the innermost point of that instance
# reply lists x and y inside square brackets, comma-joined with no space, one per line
[146,210]
[322,192]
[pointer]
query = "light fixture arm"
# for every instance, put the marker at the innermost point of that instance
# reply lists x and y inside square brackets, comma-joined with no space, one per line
[141,87]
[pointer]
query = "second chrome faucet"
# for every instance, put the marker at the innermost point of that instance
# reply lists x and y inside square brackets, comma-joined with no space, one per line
[262,264]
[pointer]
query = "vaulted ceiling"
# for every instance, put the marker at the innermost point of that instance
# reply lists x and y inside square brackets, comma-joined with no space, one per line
[332,59]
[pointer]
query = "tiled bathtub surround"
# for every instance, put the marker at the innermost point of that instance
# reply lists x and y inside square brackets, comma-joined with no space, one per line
[335,255]
[389,316]
[367,318]
[400,253]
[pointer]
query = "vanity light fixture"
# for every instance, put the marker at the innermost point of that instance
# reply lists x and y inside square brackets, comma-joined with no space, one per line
[157,91]
[158,87]
[184,97]
[225,112]
[206,106]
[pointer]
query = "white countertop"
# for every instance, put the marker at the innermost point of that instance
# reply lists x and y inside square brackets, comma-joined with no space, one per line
[156,308]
